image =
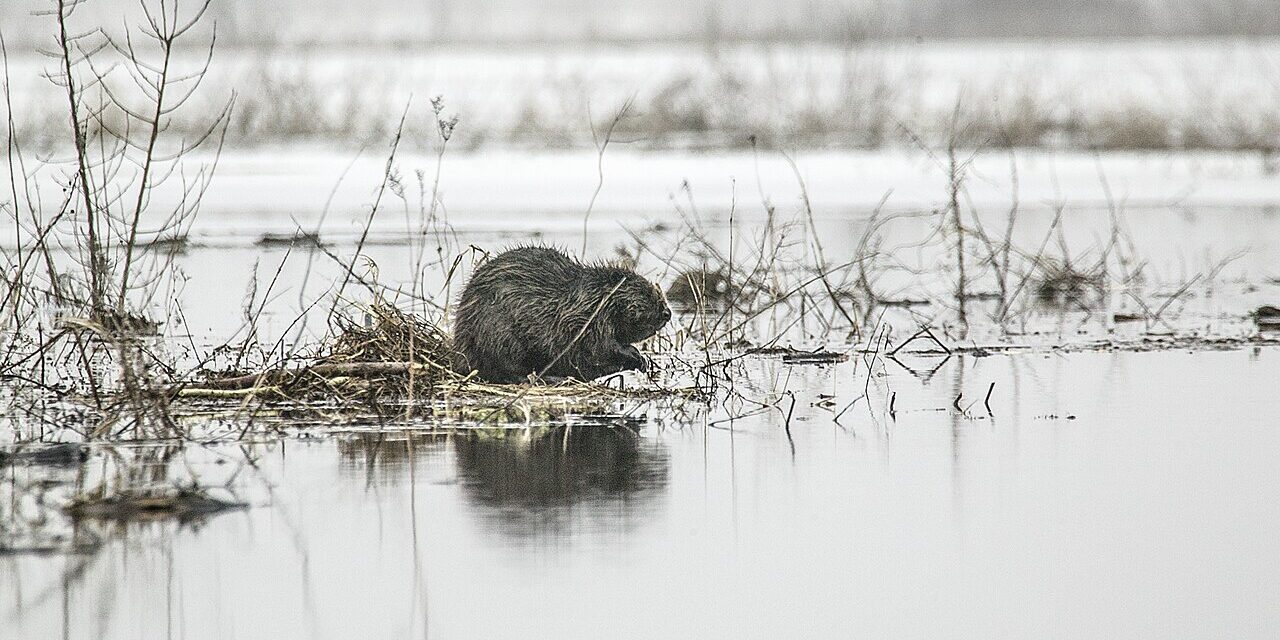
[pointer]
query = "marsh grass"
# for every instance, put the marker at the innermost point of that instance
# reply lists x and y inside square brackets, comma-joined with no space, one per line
[848,94]
[93,263]
[89,284]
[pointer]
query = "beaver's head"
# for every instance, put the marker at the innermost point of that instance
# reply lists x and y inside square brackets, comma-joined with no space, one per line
[638,308]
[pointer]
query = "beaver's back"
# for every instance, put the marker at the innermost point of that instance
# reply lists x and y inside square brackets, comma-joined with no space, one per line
[511,310]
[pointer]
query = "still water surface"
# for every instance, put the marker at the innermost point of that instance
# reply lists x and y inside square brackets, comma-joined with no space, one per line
[1106,495]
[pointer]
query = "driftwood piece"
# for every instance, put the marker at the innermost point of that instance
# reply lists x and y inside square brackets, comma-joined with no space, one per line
[221,394]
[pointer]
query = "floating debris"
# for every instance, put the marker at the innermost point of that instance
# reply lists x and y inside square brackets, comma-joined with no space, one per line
[57,455]
[181,503]
[395,350]
[907,303]
[170,244]
[299,238]
[1128,317]
[814,357]
[110,322]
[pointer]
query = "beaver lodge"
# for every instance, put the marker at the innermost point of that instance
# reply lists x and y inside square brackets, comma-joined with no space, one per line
[399,367]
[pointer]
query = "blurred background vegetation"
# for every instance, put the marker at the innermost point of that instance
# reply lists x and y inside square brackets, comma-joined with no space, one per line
[420,22]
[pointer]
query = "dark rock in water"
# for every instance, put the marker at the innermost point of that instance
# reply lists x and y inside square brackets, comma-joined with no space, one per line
[535,310]
[710,288]
[1267,316]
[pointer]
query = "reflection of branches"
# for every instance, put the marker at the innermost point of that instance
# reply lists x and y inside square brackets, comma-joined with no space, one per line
[55,502]
[924,374]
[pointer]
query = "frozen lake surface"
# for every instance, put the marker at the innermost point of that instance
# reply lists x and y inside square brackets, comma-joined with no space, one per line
[530,190]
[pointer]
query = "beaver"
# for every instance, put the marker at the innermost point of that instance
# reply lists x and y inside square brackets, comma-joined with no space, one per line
[535,310]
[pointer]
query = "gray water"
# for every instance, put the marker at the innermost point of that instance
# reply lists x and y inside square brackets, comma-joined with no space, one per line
[1226,257]
[1104,495]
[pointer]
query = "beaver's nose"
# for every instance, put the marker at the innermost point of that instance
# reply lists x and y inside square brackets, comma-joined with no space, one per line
[666,314]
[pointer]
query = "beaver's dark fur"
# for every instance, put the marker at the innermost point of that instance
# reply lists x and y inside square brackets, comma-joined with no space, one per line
[522,310]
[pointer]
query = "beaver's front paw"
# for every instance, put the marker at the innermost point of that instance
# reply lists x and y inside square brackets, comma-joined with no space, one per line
[630,358]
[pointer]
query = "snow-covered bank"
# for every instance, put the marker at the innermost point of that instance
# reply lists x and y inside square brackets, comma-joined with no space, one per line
[510,190]
[1124,94]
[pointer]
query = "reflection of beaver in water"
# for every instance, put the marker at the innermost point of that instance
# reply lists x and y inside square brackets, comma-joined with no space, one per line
[545,481]
[536,310]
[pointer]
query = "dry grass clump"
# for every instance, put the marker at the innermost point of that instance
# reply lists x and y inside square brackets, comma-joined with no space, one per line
[1134,128]
[1060,285]
[392,336]
[395,355]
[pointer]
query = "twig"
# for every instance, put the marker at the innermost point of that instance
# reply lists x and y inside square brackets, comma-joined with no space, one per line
[601,145]
[924,332]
